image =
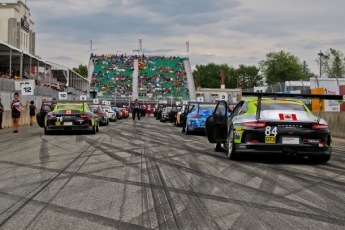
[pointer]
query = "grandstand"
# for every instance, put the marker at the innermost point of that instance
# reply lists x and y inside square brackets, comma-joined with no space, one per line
[156,78]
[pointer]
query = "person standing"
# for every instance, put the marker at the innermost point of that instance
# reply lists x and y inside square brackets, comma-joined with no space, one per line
[1,112]
[148,110]
[32,112]
[136,108]
[15,106]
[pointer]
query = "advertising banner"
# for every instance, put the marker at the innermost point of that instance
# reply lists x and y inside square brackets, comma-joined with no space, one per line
[331,105]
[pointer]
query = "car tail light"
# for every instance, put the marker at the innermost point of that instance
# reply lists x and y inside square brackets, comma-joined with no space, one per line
[254,124]
[85,116]
[253,141]
[100,114]
[51,116]
[196,116]
[320,126]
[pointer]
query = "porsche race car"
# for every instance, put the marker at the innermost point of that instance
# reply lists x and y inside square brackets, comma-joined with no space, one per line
[272,123]
[68,116]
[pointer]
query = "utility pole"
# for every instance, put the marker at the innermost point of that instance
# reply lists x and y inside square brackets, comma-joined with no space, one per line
[321,55]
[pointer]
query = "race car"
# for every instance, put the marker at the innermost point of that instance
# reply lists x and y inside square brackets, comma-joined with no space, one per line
[111,114]
[272,123]
[197,116]
[68,116]
[178,116]
[101,114]
[169,113]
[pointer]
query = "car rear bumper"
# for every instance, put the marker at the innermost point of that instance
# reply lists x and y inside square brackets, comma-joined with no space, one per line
[70,128]
[300,149]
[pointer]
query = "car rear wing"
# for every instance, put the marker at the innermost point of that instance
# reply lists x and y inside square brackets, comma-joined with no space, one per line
[321,97]
[69,101]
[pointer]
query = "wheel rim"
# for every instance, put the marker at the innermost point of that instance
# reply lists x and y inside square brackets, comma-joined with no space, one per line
[230,143]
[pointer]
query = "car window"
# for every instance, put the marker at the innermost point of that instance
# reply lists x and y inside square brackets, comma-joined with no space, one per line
[69,106]
[221,109]
[283,105]
[243,109]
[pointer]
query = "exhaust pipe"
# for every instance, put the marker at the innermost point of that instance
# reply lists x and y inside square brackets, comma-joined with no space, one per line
[293,152]
[286,151]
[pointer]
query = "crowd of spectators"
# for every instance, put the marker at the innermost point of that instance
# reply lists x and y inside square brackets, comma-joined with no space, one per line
[42,80]
[159,76]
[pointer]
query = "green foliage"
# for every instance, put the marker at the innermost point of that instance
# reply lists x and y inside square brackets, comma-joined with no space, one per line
[82,70]
[332,63]
[209,76]
[280,67]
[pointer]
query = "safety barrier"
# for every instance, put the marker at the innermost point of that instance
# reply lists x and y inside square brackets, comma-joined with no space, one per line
[24,118]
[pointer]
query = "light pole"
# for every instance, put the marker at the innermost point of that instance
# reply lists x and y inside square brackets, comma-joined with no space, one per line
[321,55]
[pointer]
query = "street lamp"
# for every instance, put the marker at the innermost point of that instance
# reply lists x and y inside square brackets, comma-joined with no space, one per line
[321,55]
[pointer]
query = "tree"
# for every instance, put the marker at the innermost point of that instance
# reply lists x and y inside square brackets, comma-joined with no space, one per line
[249,76]
[209,76]
[281,67]
[82,70]
[332,63]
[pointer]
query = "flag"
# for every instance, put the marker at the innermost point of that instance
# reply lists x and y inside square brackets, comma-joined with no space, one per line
[187,46]
[287,117]
[140,43]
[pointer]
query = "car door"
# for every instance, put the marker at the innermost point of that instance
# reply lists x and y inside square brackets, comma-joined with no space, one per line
[216,124]
[183,116]
[45,108]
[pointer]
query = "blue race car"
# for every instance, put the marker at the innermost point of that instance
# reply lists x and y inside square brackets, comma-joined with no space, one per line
[197,116]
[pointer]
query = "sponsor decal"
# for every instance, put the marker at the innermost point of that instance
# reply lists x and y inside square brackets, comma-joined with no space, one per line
[287,117]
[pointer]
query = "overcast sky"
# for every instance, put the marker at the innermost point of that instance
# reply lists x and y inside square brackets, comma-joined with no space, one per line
[219,31]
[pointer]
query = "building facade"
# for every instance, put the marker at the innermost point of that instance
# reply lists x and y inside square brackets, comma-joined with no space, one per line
[16,26]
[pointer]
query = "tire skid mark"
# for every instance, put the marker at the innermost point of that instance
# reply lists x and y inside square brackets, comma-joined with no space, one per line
[40,190]
[163,213]
[205,176]
[33,220]
[104,221]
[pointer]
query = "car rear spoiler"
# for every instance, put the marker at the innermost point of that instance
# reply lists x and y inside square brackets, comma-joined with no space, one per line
[321,97]
[70,101]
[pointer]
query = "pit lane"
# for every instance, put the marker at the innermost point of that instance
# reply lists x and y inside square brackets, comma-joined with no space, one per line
[147,174]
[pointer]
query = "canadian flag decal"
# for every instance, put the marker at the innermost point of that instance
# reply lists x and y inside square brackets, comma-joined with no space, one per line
[287,117]
[68,111]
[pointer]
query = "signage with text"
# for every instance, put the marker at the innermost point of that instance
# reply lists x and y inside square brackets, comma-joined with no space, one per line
[62,95]
[27,89]
[18,84]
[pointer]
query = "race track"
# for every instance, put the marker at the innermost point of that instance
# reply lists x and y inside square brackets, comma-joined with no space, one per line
[149,175]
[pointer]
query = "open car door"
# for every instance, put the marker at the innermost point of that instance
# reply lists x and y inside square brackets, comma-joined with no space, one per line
[183,116]
[45,108]
[216,124]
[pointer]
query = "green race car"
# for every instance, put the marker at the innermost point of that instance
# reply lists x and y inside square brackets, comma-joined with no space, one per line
[68,116]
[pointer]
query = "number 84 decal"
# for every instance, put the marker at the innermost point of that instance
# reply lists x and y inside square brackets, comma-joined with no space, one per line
[271,131]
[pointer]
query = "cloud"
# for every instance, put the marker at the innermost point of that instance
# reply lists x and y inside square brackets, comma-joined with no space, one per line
[221,31]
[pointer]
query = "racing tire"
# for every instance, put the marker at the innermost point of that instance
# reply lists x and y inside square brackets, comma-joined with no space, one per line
[97,127]
[94,131]
[46,132]
[319,159]
[218,147]
[231,146]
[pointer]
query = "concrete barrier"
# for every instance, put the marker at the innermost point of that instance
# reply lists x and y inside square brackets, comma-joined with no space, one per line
[24,118]
[336,122]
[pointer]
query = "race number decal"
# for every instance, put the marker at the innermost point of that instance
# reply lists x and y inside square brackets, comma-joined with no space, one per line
[271,131]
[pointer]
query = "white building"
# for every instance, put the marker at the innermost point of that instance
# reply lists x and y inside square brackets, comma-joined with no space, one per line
[16,26]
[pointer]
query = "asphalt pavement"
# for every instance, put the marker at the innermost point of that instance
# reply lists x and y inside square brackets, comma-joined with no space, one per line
[149,175]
